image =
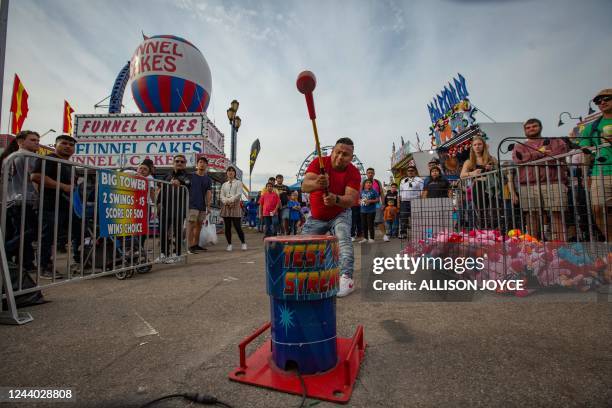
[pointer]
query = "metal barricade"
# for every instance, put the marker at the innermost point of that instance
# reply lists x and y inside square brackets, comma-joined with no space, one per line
[548,219]
[102,219]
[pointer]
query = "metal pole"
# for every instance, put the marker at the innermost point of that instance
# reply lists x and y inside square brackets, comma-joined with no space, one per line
[233,151]
[4,7]
[12,315]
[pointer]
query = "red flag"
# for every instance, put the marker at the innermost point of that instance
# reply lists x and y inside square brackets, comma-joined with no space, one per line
[19,105]
[67,118]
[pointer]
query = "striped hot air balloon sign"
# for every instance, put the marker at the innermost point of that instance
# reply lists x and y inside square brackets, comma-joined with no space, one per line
[169,74]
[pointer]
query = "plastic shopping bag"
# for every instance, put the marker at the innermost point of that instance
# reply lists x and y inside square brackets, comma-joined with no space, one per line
[208,234]
[212,233]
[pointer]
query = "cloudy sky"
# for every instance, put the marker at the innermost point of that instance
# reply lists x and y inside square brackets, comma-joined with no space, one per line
[378,63]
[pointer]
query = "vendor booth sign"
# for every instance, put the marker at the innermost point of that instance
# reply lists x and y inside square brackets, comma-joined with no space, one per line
[119,141]
[215,138]
[122,204]
[127,153]
[94,126]
[219,163]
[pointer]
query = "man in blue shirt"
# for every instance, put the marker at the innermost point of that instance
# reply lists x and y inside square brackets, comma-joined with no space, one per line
[200,197]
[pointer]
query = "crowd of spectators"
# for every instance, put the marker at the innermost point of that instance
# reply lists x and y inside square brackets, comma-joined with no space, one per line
[555,188]
[41,191]
[563,184]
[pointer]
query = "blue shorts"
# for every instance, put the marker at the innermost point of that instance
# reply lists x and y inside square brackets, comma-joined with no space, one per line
[285,213]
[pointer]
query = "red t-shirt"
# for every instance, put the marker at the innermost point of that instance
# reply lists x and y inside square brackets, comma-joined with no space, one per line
[338,181]
[268,202]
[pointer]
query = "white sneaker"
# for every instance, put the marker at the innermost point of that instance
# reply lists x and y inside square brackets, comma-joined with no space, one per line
[370,241]
[244,247]
[352,239]
[347,285]
[229,248]
[171,259]
[386,238]
[363,241]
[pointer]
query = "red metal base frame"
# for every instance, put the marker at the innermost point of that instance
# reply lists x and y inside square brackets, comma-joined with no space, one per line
[335,385]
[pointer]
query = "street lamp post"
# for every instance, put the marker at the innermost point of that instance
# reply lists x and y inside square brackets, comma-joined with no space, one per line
[235,122]
[47,132]
[4,8]
[561,123]
[591,110]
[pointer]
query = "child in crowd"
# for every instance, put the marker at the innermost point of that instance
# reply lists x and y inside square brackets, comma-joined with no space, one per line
[294,212]
[438,186]
[369,198]
[392,198]
[269,204]
[390,217]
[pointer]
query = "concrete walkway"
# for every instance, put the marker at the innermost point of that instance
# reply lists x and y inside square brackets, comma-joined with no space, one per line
[176,329]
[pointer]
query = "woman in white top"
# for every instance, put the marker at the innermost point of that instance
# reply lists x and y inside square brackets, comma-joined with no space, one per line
[231,191]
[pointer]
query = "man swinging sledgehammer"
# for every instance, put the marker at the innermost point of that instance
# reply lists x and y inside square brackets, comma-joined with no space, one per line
[331,211]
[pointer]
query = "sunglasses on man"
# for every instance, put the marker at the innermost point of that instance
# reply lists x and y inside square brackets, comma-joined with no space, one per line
[179,161]
[598,101]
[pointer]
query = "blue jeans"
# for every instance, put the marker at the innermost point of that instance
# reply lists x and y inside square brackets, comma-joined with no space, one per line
[390,230]
[252,220]
[395,226]
[270,224]
[391,227]
[341,228]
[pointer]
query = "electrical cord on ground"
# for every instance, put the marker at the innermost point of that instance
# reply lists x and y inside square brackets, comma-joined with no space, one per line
[303,403]
[191,396]
[165,397]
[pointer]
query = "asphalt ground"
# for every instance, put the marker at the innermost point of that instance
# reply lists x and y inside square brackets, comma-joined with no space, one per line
[176,329]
